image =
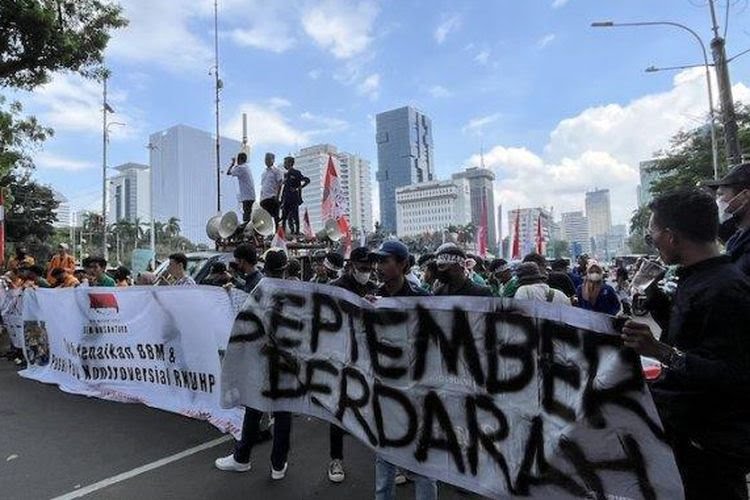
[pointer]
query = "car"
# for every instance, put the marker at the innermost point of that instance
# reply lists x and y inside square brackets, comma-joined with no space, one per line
[199,266]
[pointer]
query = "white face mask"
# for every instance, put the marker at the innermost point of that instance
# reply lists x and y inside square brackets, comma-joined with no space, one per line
[723,214]
[361,277]
[595,277]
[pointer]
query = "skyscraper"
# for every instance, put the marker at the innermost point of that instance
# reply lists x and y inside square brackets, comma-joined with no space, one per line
[405,156]
[481,187]
[354,179]
[528,228]
[598,212]
[575,230]
[129,194]
[184,178]
[62,213]
[432,206]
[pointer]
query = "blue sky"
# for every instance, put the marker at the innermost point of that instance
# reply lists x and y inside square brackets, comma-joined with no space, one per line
[560,107]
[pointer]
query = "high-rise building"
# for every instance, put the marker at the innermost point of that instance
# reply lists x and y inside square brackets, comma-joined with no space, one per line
[432,206]
[184,178]
[62,213]
[598,212]
[648,179]
[482,188]
[129,196]
[500,228]
[528,228]
[354,180]
[405,156]
[575,230]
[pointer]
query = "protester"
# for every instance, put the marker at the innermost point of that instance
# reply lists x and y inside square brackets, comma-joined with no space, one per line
[61,260]
[555,279]
[271,182]
[579,271]
[96,270]
[358,280]
[702,395]
[239,461]
[429,275]
[533,285]
[246,260]
[218,276]
[21,259]
[122,277]
[622,287]
[63,279]
[320,272]
[178,270]
[502,281]
[451,262]
[474,276]
[241,170]
[594,294]
[732,193]
[81,275]
[291,197]
[294,270]
[411,275]
[392,267]
[34,277]
[327,267]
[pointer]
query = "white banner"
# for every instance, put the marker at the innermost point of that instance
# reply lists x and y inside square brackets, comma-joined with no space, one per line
[11,310]
[154,345]
[499,397]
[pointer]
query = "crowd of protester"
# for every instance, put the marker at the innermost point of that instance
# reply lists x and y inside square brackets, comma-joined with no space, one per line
[702,392]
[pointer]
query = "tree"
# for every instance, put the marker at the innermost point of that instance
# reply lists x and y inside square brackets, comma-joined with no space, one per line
[172,228]
[638,228]
[18,137]
[40,37]
[31,213]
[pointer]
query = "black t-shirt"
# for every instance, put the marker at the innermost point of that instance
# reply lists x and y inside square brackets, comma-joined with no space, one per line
[293,180]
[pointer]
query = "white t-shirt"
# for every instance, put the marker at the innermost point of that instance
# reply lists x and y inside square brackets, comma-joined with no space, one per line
[245,178]
[541,291]
[270,182]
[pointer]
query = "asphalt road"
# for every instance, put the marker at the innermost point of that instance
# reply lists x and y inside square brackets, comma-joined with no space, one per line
[53,443]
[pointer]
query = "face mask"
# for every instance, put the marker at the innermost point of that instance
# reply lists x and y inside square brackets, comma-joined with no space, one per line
[361,277]
[723,214]
[595,277]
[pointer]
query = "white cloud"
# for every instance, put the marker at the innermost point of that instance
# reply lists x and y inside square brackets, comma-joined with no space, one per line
[600,147]
[370,86]
[50,161]
[447,26]
[438,91]
[482,57]
[545,40]
[556,4]
[263,36]
[324,124]
[478,123]
[314,74]
[342,27]
[159,31]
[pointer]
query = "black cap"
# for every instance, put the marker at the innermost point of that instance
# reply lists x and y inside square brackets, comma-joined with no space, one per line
[275,259]
[739,175]
[360,254]
[393,248]
[334,261]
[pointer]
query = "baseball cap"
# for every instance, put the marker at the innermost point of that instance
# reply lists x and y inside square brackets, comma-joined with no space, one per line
[360,254]
[738,175]
[334,261]
[393,248]
[275,260]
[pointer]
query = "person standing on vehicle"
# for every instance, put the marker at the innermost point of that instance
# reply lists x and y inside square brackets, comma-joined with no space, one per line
[270,187]
[241,170]
[291,198]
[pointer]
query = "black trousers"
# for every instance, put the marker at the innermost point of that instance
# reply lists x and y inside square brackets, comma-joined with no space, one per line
[271,205]
[282,428]
[247,210]
[337,442]
[708,475]
[290,215]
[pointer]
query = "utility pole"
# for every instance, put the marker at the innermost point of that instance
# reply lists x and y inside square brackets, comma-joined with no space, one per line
[728,117]
[217,85]
[105,109]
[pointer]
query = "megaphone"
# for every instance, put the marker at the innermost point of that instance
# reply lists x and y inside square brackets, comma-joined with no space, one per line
[332,230]
[222,226]
[261,221]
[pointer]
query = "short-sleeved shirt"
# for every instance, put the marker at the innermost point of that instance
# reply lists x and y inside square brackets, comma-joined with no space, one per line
[105,280]
[270,182]
[245,178]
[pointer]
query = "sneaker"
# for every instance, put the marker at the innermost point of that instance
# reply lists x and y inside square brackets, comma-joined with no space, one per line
[400,478]
[336,471]
[279,474]
[228,463]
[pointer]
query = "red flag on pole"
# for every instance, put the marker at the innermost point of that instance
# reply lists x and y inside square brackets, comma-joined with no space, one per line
[279,239]
[516,248]
[539,236]
[334,202]
[2,228]
[482,231]
[307,227]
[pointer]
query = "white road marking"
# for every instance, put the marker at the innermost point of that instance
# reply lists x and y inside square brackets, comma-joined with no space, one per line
[142,469]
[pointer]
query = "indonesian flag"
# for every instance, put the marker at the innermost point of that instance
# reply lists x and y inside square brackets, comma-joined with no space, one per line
[539,236]
[307,227]
[2,229]
[482,231]
[334,202]
[279,239]
[515,252]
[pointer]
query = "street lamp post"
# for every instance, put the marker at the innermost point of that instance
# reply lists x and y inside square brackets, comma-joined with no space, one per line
[706,65]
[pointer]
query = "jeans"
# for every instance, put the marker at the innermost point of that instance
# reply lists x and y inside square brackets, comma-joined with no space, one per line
[385,483]
[247,210]
[282,427]
[336,442]
[290,215]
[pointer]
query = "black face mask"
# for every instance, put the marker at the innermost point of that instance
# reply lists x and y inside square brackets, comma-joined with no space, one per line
[727,229]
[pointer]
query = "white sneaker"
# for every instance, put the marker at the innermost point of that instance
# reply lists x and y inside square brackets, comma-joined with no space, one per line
[228,463]
[336,471]
[400,478]
[279,474]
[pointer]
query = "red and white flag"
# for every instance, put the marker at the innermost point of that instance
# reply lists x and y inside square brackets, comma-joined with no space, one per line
[515,248]
[279,239]
[335,203]
[307,227]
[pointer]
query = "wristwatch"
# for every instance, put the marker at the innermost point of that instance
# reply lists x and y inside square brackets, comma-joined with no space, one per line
[676,357]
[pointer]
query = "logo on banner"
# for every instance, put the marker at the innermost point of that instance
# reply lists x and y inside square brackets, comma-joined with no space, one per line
[103,302]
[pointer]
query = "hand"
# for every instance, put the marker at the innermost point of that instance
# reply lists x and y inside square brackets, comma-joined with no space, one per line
[371,298]
[638,337]
[739,202]
[228,286]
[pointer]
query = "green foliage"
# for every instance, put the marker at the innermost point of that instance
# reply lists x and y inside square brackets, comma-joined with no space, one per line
[18,137]
[29,209]
[638,227]
[40,37]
